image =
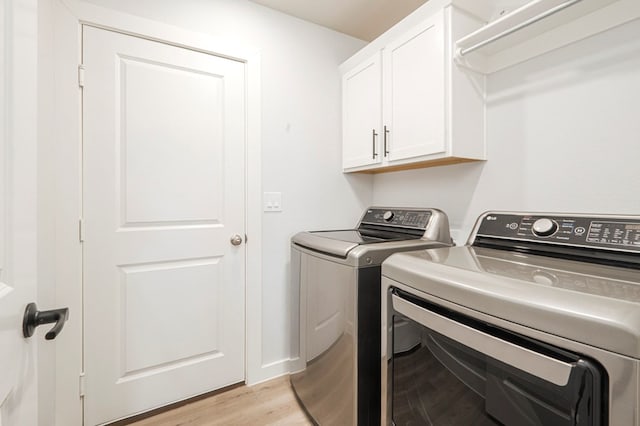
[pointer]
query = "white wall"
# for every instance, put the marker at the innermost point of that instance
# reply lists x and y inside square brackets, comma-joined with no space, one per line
[301,130]
[563,135]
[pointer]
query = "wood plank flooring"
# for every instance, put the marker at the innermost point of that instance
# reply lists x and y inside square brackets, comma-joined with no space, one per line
[269,403]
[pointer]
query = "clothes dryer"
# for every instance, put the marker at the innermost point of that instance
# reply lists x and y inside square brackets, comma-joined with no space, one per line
[536,321]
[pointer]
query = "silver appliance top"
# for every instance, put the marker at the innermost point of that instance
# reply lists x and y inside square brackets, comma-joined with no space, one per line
[380,229]
[577,278]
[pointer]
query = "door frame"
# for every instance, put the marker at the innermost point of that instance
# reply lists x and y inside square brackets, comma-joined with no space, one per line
[69,16]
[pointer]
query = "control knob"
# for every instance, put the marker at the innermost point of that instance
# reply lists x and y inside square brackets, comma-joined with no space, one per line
[544,227]
[388,216]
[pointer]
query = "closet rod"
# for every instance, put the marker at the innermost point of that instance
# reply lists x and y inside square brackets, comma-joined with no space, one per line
[558,8]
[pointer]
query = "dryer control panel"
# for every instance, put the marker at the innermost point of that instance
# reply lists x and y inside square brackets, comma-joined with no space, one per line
[619,233]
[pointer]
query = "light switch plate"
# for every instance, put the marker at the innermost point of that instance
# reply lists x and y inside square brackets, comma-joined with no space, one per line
[272,201]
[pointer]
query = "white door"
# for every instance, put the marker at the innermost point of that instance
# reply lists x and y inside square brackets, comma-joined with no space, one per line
[362,114]
[414,91]
[163,195]
[18,36]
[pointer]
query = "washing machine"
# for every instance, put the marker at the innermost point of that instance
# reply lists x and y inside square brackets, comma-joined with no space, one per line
[336,331]
[536,321]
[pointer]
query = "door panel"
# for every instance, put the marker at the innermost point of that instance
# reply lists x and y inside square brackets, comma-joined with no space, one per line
[415,85]
[163,154]
[18,204]
[153,166]
[149,292]
[362,114]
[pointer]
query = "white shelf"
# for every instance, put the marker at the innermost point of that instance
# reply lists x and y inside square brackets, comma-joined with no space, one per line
[539,27]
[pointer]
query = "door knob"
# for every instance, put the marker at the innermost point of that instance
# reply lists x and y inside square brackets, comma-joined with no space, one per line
[236,240]
[33,318]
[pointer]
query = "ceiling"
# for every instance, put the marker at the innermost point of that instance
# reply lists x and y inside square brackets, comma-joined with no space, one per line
[363,19]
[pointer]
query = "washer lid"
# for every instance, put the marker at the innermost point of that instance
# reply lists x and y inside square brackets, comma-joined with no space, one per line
[318,242]
[592,304]
[341,242]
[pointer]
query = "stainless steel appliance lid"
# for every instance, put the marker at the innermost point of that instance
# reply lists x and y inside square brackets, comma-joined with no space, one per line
[593,304]
[316,241]
[379,225]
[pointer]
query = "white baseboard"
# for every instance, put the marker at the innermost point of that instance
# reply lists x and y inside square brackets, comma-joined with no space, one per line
[269,371]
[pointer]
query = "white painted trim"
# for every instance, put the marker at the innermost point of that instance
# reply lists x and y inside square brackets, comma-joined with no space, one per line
[4,138]
[70,16]
[108,19]
[271,371]
[68,208]
[253,306]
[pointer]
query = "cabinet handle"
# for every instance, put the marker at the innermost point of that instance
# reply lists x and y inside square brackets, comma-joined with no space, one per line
[386,133]
[373,143]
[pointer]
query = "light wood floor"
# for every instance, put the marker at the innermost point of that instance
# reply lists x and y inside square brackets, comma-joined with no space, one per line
[269,403]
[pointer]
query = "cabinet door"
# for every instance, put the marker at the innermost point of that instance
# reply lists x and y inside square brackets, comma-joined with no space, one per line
[362,114]
[414,98]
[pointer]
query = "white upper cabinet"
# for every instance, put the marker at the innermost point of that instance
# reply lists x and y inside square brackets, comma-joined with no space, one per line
[406,104]
[362,112]
[414,95]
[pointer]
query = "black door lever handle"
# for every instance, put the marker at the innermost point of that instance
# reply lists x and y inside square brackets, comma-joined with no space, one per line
[33,318]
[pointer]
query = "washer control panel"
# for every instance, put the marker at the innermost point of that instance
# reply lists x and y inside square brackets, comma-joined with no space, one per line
[402,218]
[606,232]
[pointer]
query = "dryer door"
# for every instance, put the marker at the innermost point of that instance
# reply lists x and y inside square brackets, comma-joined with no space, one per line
[467,372]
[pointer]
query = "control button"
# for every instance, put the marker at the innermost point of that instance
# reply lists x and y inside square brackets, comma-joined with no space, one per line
[388,215]
[512,225]
[544,227]
[580,230]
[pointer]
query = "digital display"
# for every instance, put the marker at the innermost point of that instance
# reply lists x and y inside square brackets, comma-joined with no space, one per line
[614,233]
[419,219]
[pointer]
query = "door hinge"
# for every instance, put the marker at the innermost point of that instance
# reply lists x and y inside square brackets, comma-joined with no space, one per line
[81,230]
[82,384]
[81,75]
